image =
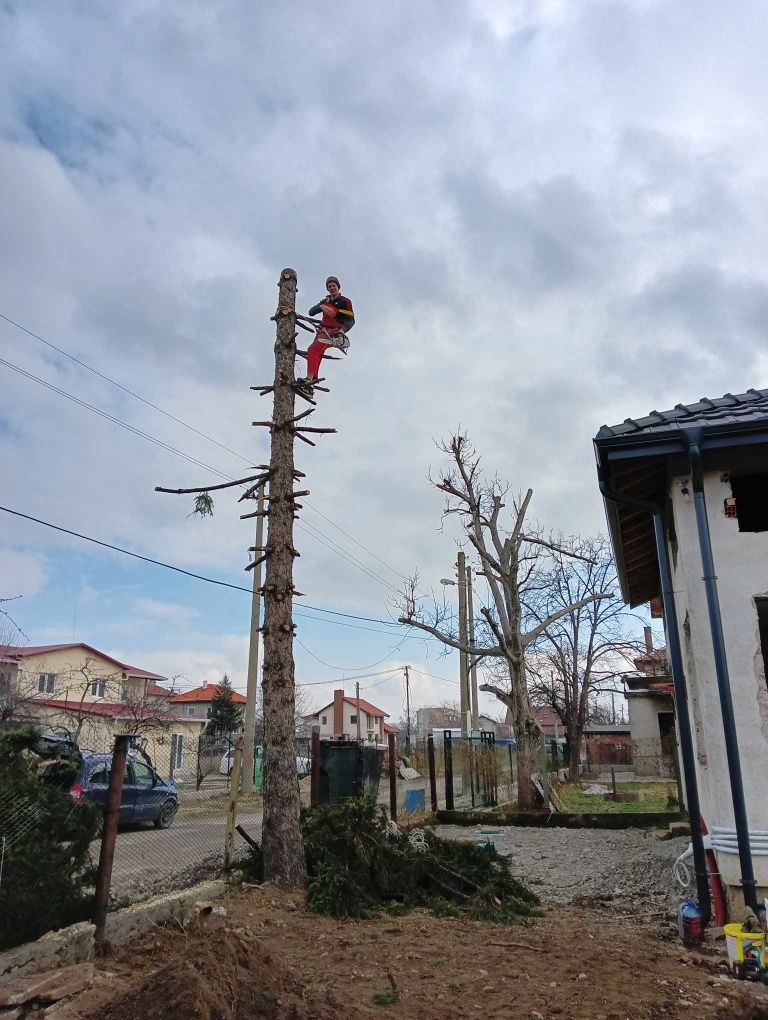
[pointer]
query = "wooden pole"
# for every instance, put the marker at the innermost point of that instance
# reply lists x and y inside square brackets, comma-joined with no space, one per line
[392,778]
[109,836]
[284,863]
[234,793]
[252,689]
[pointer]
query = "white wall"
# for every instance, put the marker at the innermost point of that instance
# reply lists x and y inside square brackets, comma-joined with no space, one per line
[367,722]
[741,565]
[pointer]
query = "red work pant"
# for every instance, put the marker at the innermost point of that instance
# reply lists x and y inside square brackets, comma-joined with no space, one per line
[316,350]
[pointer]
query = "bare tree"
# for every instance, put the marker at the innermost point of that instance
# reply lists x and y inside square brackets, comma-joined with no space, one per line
[510,553]
[582,652]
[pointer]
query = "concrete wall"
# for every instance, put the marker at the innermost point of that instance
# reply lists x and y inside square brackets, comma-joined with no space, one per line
[647,753]
[741,564]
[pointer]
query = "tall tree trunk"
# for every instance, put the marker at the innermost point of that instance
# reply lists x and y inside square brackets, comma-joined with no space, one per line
[527,735]
[575,736]
[284,863]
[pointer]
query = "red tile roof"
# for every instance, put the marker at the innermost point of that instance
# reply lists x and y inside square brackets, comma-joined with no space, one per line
[365,706]
[390,729]
[204,694]
[112,709]
[23,651]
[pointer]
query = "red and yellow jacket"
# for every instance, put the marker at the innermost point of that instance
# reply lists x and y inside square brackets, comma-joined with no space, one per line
[337,312]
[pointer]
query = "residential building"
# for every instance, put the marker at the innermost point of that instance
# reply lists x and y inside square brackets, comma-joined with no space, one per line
[196,704]
[650,698]
[435,719]
[547,719]
[91,696]
[339,720]
[685,495]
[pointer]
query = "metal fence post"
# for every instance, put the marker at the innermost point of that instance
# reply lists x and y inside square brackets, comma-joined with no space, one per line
[392,778]
[109,835]
[234,792]
[544,771]
[448,755]
[314,763]
[432,775]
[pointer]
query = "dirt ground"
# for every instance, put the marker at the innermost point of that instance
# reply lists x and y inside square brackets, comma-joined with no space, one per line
[594,960]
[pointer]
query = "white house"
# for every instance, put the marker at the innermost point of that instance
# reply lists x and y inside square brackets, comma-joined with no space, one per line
[686,494]
[339,720]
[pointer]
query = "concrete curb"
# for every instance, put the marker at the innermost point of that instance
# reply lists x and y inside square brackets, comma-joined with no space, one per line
[75,944]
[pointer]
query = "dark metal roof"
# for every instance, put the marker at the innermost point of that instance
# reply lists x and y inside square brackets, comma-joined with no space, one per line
[732,408]
[633,459]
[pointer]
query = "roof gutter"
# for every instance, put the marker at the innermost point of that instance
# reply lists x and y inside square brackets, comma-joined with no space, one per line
[693,440]
[681,691]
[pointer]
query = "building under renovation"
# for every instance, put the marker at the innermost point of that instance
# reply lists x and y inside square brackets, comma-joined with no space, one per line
[686,495]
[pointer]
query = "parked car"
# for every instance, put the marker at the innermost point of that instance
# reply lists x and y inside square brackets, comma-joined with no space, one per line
[146,797]
[303,766]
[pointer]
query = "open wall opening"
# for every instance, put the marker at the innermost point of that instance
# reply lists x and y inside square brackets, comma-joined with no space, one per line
[751,495]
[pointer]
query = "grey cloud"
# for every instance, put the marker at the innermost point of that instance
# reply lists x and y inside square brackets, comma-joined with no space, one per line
[543,237]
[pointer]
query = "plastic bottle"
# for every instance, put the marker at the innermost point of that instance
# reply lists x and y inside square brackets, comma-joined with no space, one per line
[689,924]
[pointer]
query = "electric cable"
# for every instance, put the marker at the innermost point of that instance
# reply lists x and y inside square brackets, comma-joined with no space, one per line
[178,421]
[181,570]
[370,665]
[318,535]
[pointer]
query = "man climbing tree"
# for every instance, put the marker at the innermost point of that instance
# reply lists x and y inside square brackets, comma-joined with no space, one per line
[338,318]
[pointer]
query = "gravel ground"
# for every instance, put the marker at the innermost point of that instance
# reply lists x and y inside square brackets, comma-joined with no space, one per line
[563,865]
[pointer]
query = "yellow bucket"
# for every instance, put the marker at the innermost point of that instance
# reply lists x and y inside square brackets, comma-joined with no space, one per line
[736,941]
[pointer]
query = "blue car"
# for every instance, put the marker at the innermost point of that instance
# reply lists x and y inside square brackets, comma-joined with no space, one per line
[145,798]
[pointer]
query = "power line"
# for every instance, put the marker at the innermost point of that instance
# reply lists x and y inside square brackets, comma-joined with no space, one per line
[110,417]
[318,535]
[370,665]
[346,679]
[187,573]
[172,417]
[432,676]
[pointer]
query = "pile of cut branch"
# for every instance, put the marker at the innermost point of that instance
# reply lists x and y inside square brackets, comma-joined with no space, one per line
[359,865]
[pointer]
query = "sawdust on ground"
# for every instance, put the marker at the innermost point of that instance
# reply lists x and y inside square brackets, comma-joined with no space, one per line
[594,960]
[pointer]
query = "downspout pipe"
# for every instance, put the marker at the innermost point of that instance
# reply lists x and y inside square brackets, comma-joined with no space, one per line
[692,437]
[681,693]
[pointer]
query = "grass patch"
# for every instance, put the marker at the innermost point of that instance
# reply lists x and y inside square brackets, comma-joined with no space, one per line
[653,797]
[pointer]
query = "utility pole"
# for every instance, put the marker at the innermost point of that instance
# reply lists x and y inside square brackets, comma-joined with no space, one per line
[406,670]
[357,695]
[252,690]
[473,664]
[463,673]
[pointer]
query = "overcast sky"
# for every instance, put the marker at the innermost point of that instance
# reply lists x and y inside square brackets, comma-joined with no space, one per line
[548,215]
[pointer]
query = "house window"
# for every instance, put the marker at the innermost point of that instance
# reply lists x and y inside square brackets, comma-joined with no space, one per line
[98,687]
[46,683]
[761,605]
[353,719]
[751,502]
[324,720]
[190,709]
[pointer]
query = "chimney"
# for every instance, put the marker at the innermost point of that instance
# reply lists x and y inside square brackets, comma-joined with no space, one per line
[338,713]
[648,639]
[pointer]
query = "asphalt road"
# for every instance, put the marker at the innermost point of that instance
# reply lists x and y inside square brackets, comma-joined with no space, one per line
[153,860]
